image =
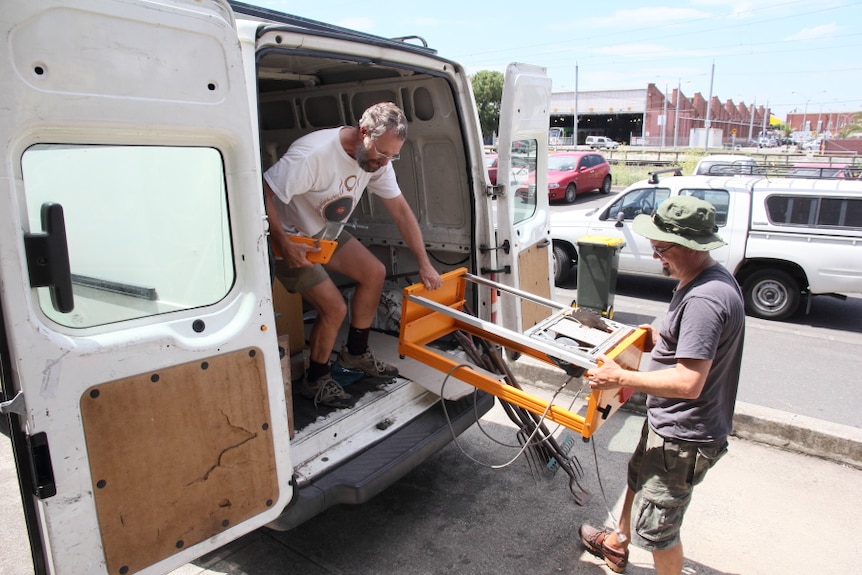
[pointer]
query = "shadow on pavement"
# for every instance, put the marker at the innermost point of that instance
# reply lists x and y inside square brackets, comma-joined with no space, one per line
[453,515]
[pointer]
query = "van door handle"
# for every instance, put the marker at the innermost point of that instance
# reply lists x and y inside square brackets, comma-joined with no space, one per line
[41,468]
[48,258]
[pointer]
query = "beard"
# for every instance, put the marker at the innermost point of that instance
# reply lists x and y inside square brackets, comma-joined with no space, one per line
[363,161]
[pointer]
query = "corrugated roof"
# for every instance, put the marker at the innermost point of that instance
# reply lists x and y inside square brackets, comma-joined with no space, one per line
[600,102]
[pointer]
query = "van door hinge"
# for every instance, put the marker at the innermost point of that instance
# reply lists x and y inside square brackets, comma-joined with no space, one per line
[14,405]
[506,247]
[495,190]
[489,271]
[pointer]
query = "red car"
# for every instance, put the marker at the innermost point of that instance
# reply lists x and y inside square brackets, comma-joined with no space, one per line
[573,173]
[521,169]
[826,170]
[491,165]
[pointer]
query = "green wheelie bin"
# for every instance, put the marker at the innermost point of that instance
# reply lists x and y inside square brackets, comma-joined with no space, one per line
[598,262]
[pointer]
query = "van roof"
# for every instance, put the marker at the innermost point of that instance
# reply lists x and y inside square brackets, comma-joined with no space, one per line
[310,26]
[758,183]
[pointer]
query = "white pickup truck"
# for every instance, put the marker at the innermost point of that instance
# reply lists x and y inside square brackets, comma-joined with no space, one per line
[785,237]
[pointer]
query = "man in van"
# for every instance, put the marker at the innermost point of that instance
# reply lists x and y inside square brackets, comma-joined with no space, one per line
[691,386]
[315,185]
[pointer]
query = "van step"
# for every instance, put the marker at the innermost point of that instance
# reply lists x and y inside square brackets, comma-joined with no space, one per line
[359,479]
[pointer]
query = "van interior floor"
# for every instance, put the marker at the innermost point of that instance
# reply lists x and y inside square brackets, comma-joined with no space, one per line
[354,383]
[385,346]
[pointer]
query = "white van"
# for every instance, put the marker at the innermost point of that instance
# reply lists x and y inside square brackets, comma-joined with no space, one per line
[142,381]
[597,142]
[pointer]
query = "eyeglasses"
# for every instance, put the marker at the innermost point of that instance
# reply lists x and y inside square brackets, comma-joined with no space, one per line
[661,251]
[380,154]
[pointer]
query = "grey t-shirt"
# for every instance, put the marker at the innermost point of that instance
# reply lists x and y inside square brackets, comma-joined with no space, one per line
[705,320]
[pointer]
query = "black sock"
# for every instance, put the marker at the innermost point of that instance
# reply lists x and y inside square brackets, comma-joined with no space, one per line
[317,370]
[357,340]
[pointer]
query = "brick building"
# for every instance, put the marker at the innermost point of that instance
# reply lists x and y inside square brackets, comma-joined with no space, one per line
[651,118]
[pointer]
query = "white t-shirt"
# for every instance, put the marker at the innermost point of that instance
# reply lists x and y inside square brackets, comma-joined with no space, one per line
[317,181]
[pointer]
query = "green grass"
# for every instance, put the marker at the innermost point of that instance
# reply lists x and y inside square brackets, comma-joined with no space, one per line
[623,175]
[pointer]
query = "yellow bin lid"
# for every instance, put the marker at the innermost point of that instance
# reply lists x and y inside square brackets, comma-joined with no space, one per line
[603,240]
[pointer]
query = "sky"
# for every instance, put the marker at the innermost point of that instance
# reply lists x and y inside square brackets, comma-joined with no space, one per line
[792,55]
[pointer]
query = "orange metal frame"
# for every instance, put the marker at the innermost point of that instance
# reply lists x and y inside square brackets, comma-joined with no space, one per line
[421,325]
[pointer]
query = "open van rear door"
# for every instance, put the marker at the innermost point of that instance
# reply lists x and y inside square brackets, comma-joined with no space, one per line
[141,372]
[523,229]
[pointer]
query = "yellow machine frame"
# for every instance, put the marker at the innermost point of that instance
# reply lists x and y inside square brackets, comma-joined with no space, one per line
[427,315]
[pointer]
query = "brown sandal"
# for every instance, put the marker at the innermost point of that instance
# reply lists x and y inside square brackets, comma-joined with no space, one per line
[594,541]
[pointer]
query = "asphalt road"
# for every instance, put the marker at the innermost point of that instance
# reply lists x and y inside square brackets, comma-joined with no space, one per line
[807,365]
[453,515]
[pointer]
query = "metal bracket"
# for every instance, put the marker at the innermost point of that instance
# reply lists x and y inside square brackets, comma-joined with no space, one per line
[14,405]
[495,190]
[506,247]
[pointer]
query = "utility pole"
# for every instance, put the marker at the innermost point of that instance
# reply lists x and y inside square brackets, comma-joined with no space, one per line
[575,115]
[751,119]
[676,114]
[664,116]
[708,123]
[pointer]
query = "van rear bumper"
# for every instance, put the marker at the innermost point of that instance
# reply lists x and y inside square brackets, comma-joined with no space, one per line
[370,472]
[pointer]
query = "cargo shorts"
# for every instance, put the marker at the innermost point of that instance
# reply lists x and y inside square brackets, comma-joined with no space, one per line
[662,473]
[298,280]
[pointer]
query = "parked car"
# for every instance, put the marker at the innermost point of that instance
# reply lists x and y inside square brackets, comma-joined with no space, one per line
[826,170]
[724,164]
[786,237]
[491,166]
[812,144]
[521,169]
[597,142]
[572,173]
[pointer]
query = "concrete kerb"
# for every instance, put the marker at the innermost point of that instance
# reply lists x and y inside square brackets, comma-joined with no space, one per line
[832,441]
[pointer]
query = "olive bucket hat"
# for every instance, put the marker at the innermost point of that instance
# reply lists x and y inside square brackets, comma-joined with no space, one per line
[683,220]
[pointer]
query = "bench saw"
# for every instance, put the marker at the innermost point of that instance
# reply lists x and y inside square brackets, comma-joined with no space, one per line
[569,338]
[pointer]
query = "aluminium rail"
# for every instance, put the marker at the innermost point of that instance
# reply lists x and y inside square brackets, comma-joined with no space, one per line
[563,340]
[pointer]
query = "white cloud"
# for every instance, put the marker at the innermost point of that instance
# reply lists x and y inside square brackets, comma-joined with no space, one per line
[641,17]
[824,31]
[640,52]
[637,50]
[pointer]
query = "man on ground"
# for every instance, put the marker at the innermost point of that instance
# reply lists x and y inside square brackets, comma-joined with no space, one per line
[691,386]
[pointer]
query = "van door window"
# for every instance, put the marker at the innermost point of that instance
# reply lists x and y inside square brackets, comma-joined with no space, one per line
[147,227]
[524,156]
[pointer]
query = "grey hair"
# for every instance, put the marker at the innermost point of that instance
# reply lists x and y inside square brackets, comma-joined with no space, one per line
[382,117]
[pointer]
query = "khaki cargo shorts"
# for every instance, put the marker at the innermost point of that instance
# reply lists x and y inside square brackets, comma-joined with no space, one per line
[662,473]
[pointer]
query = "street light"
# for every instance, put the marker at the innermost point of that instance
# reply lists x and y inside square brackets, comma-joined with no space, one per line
[805,110]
